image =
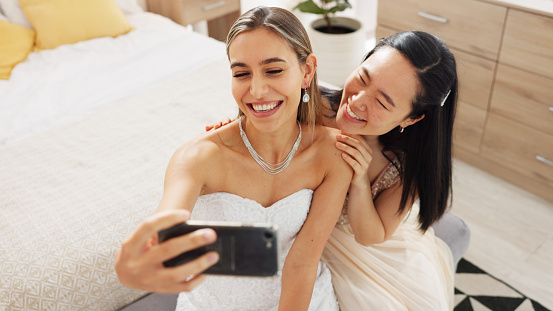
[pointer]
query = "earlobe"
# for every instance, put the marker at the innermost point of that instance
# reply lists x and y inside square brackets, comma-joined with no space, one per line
[410,121]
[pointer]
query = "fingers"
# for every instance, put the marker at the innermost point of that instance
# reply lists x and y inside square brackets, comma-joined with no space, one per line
[356,141]
[139,262]
[176,246]
[134,245]
[218,124]
[226,121]
[213,126]
[358,154]
[356,147]
[190,270]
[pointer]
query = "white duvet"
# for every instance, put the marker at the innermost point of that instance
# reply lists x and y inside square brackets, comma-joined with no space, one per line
[72,191]
[55,87]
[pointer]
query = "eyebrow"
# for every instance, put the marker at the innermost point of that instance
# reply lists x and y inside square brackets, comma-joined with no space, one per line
[386,96]
[263,62]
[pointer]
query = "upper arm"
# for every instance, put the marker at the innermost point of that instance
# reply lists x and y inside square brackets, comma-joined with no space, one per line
[387,204]
[326,206]
[186,176]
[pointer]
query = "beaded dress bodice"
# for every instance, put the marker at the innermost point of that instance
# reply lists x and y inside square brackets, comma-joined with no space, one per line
[387,178]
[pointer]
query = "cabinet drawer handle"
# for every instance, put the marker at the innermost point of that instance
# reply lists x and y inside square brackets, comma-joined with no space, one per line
[551,109]
[432,17]
[213,5]
[544,160]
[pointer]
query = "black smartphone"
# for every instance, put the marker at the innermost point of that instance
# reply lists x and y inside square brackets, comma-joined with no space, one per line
[244,249]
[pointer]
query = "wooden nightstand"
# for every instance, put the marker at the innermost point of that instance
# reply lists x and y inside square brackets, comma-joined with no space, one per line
[220,14]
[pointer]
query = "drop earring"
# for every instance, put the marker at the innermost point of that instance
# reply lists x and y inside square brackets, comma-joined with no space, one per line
[305,97]
[401,129]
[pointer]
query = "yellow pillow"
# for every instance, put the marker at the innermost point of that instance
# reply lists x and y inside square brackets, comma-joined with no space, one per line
[58,22]
[16,42]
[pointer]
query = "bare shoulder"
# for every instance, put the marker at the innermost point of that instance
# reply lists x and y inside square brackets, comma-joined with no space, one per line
[326,145]
[209,145]
[326,138]
[197,157]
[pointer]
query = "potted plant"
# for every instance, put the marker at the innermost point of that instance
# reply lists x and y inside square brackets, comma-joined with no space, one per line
[338,42]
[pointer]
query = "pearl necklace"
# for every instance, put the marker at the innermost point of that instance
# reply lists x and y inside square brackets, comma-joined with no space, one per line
[269,167]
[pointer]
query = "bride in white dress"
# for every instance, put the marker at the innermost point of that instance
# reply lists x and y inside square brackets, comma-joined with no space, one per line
[230,175]
[250,293]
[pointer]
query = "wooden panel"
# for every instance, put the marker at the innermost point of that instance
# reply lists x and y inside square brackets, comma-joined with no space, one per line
[218,28]
[516,147]
[198,10]
[524,97]
[535,6]
[384,31]
[168,8]
[471,26]
[475,78]
[187,12]
[468,127]
[528,42]
[527,183]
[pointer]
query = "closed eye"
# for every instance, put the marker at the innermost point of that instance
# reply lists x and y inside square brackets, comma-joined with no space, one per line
[240,75]
[362,80]
[381,104]
[274,71]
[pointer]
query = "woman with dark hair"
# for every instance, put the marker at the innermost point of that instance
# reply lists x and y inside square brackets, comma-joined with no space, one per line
[396,115]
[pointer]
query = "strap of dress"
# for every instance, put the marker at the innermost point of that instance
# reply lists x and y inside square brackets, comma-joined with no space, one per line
[386,179]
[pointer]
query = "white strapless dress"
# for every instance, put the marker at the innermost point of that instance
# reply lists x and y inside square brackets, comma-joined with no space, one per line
[254,293]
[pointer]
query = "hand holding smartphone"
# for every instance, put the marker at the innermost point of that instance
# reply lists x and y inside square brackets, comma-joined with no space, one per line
[244,249]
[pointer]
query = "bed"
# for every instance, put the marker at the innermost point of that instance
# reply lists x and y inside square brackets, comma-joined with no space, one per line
[86,132]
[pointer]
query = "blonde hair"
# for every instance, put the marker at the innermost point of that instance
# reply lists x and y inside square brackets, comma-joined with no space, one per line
[287,26]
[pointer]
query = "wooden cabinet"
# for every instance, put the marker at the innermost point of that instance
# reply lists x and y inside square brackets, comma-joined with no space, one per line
[471,26]
[504,53]
[220,14]
[528,42]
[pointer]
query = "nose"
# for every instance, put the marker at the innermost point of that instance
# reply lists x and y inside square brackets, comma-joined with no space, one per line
[359,100]
[258,87]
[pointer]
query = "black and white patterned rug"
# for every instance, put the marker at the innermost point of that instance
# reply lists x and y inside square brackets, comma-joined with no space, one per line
[476,290]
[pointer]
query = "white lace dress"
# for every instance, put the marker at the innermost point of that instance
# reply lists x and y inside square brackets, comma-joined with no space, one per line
[253,293]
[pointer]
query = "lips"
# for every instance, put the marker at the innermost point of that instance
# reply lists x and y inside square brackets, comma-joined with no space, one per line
[348,112]
[264,109]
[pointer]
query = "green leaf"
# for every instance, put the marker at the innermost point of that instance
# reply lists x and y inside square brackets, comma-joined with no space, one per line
[340,7]
[310,7]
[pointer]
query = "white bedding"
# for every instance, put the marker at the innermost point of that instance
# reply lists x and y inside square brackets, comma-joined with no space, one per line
[58,86]
[88,140]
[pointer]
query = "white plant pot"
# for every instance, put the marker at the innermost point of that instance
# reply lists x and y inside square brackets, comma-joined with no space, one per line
[337,54]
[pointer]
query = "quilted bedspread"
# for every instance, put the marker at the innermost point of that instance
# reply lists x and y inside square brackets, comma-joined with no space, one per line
[69,196]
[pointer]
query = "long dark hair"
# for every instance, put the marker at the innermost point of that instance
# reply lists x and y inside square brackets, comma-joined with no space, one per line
[425,148]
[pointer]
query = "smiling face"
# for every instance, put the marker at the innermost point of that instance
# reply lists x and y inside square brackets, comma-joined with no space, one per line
[266,78]
[377,96]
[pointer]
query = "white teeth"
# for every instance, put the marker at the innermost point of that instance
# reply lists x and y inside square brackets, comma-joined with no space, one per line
[264,107]
[351,114]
